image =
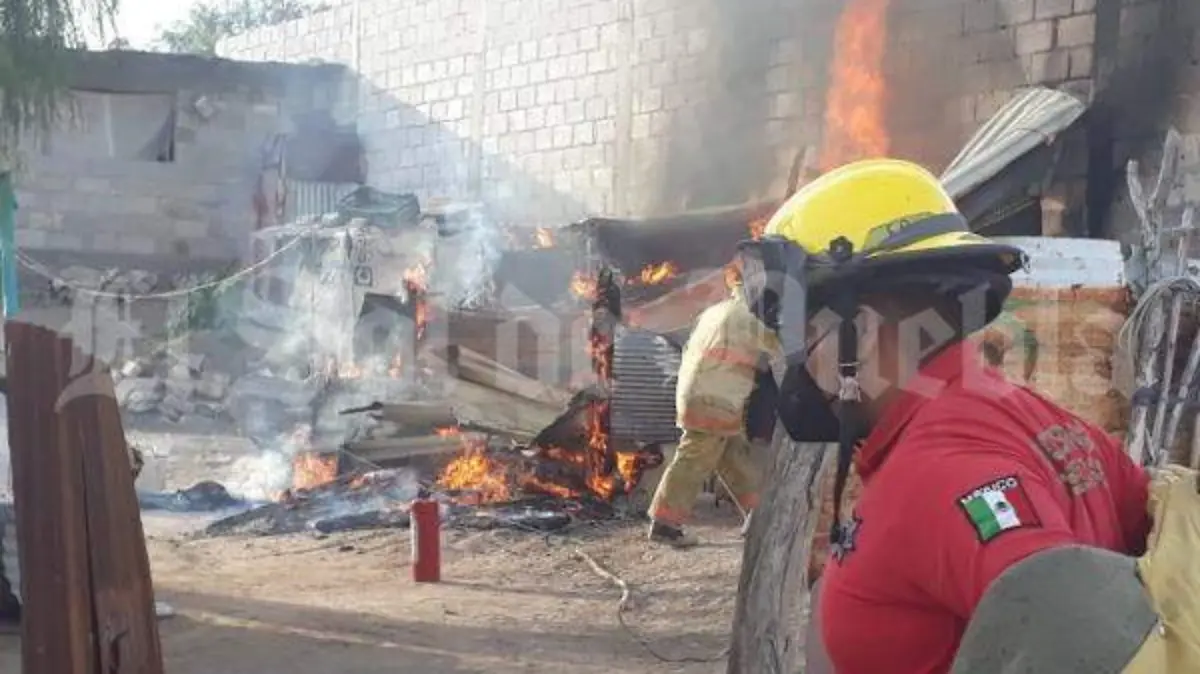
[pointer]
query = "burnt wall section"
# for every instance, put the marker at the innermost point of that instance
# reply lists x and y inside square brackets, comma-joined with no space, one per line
[716,145]
[1154,85]
[160,154]
[551,110]
[953,65]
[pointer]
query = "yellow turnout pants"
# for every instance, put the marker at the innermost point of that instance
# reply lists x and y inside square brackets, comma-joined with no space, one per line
[700,454]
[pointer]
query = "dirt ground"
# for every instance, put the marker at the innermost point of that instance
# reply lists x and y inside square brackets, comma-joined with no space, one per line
[510,602]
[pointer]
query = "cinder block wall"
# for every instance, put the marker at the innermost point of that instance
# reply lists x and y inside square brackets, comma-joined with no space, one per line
[554,109]
[144,213]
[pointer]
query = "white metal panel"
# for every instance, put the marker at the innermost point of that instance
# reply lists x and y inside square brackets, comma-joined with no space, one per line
[1064,262]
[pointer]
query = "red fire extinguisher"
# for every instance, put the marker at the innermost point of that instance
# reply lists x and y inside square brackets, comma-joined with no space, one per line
[426,525]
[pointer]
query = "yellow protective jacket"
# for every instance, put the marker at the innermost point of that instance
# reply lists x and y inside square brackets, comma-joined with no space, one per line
[716,375]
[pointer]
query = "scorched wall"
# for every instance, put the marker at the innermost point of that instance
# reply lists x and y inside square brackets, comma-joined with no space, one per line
[549,110]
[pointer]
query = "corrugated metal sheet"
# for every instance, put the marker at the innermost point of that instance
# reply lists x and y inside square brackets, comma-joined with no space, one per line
[1031,119]
[9,567]
[305,199]
[645,367]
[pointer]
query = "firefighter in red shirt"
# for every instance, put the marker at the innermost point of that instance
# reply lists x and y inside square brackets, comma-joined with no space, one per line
[873,282]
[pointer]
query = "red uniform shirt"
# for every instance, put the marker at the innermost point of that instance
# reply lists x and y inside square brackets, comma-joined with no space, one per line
[965,475]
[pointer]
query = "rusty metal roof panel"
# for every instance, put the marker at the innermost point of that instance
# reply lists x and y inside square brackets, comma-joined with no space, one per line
[1033,118]
[645,367]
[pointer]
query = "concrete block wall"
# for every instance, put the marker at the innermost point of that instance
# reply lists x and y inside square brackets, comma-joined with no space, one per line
[197,207]
[955,64]
[550,110]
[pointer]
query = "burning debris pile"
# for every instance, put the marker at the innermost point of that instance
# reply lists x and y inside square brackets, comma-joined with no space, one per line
[493,446]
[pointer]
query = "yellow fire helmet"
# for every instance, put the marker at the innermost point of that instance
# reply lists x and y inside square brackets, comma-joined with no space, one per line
[881,225]
[883,208]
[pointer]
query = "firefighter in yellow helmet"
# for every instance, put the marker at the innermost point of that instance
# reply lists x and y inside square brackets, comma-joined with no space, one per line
[873,281]
[727,348]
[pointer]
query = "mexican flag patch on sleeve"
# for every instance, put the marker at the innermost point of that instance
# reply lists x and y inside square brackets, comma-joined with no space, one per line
[997,507]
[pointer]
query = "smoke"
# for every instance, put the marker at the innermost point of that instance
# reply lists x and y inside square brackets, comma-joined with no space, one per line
[466,261]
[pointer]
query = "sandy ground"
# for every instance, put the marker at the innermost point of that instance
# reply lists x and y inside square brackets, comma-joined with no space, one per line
[510,602]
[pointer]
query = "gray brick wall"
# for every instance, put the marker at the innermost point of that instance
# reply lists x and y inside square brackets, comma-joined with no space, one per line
[550,110]
[198,206]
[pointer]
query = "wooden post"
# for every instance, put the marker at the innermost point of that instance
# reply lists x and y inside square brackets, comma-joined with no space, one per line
[602,330]
[1150,209]
[768,623]
[85,575]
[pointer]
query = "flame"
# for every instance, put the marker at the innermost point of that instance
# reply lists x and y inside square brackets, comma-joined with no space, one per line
[855,125]
[416,283]
[349,370]
[476,471]
[493,477]
[313,469]
[654,274]
[583,286]
[543,238]
[733,275]
[396,367]
[757,227]
[417,276]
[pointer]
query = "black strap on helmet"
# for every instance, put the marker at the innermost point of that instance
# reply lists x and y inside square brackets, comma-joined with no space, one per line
[849,396]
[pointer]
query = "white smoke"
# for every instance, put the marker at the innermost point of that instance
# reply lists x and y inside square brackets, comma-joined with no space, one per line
[466,261]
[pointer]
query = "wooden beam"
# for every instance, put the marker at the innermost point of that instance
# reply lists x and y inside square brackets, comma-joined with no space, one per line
[85,574]
[474,367]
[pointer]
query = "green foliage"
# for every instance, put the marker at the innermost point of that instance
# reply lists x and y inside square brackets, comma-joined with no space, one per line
[209,22]
[35,39]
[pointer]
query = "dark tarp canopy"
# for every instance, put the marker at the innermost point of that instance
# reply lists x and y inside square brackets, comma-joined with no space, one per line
[693,241]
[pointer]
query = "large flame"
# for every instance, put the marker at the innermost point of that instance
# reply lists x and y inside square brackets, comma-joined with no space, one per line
[416,283]
[654,274]
[475,471]
[489,479]
[313,469]
[583,286]
[855,121]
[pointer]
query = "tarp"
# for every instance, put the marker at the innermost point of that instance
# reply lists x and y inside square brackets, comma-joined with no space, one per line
[702,239]
[8,247]
[1032,119]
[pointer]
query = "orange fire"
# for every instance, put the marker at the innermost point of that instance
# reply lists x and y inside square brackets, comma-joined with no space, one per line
[396,367]
[313,469]
[543,238]
[476,471]
[416,283]
[583,286]
[349,370]
[855,124]
[757,227]
[491,478]
[654,274]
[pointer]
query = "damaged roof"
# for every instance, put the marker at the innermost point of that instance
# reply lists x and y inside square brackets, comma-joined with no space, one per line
[1033,119]
[701,239]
